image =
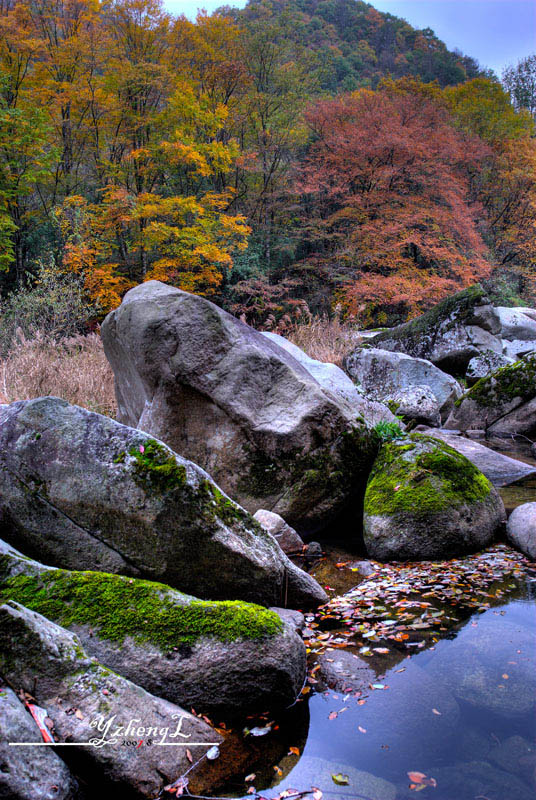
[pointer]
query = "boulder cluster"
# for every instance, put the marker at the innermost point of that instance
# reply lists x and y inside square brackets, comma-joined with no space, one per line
[144,567]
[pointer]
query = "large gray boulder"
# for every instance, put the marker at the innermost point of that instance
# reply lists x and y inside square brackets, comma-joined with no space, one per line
[225,396]
[499,469]
[425,500]
[517,323]
[335,380]
[450,334]
[521,529]
[484,364]
[504,402]
[228,657]
[28,773]
[81,491]
[81,697]
[518,330]
[380,374]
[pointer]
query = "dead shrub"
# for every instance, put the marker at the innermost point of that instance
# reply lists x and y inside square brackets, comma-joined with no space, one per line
[325,339]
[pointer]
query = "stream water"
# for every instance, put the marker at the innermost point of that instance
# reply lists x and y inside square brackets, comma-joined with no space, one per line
[444,706]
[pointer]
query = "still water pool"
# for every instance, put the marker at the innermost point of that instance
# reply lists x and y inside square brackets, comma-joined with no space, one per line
[428,691]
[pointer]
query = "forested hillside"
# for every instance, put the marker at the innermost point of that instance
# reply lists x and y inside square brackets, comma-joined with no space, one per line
[356,45]
[288,159]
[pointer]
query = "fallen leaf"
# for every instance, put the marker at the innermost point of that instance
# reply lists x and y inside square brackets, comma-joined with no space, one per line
[189,756]
[416,777]
[340,779]
[435,711]
[250,777]
[317,794]
[294,751]
[363,730]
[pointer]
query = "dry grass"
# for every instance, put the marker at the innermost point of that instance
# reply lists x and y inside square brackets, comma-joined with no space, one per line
[325,339]
[74,369]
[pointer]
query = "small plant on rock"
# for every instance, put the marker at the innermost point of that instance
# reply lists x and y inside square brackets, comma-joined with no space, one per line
[388,431]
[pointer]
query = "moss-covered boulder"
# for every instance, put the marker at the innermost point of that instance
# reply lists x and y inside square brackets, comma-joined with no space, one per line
[87,702]
[215,656]
[243,408]
[424,500]
[450,334]
[81,491]
[503,402]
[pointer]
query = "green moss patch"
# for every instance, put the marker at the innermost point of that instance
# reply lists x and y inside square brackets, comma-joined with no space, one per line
[156,468]
[422,476]
[117,607]
[506,384]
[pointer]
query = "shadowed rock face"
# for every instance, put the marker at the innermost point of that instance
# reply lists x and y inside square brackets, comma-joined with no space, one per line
[82,491]
[29,773]
[212,656]
[425,500]
[450,334]
[238,405]
[49,662]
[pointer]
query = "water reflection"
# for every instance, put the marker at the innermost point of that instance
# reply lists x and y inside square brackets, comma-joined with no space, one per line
[460,712]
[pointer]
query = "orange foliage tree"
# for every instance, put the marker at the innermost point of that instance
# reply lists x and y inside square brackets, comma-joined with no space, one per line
[387,184]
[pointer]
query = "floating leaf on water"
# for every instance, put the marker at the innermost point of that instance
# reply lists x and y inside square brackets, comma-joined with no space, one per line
[435,711]
[416,777]
[340,779]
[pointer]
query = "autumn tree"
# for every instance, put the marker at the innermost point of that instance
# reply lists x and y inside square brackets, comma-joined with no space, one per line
[387,190]
[507,187]
[520,82]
